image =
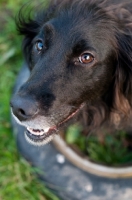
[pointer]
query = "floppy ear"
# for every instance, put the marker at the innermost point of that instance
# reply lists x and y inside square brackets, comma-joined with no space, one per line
[29,26]
[123,74]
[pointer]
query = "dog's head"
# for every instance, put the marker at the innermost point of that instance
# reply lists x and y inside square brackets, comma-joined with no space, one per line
[79,53]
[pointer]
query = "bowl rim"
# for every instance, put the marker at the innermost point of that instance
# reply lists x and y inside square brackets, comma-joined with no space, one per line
[87,165]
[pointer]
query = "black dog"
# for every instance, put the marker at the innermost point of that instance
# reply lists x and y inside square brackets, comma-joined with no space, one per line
[80,57]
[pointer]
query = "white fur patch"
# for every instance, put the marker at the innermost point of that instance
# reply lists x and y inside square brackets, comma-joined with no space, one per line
[40,122]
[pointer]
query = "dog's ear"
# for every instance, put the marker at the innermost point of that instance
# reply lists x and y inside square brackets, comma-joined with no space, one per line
[30,20]
[27,27]
[123,73]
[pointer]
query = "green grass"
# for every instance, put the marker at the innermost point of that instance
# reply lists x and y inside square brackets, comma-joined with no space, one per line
[17,180]
[112,149]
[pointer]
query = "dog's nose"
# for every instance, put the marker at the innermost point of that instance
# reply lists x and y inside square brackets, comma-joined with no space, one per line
[23,108]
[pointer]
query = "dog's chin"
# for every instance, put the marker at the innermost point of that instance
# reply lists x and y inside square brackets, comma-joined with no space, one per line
[40,137]
[36,135]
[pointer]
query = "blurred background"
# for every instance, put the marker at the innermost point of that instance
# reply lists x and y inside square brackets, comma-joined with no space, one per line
[17,179]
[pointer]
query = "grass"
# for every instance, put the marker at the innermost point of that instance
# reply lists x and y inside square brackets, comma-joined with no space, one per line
[112,149]
[17,180]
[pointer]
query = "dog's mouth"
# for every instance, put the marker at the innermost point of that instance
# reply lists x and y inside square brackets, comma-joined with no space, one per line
[44,136]
[40,136]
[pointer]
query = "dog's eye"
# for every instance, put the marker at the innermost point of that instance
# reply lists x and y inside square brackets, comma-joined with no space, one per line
[39,45]
[86,58]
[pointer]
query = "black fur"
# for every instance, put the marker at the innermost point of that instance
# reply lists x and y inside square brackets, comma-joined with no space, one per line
[59,83]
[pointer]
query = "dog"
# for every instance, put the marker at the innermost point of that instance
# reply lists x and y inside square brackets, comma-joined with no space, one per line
[80,58]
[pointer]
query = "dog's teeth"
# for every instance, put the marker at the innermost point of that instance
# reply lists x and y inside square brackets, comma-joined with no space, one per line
[46,130]
[37,131]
